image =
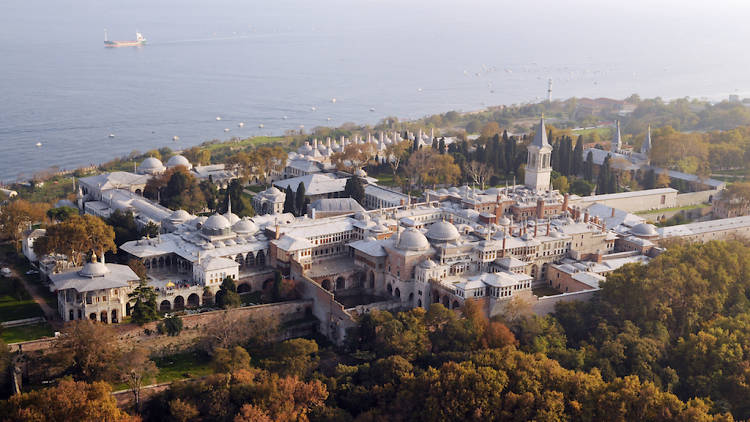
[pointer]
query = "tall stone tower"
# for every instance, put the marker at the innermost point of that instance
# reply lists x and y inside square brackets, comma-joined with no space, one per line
[538,164]
[617,139]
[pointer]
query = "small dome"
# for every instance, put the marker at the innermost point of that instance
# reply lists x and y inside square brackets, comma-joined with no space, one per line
[413,240]
[442,191]
[644,230]
[178,160]
[180,215]
[232,218]
[428,263]
[244,226]
[94,269]
[505,221]
[442,231]
[492,191]
[216,222]
[151,165]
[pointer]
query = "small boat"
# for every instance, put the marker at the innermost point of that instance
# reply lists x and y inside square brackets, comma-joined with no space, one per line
[38,144]
[284,117]
[260,125]
[301,126]
[241,124]
[333,100]
[226,129]
[175,138]
[313,108]
[372,108]
[328,119]
[111,135]
[218,118]
[419,89]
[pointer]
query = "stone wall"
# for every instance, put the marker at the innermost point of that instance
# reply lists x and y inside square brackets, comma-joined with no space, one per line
[546,304]
[333,318]
[695,198]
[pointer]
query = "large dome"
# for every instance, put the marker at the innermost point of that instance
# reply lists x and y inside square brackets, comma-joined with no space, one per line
[644,230]
[442,231]
[151,165]
[179,160]
[245,226]
[232,218]
[216,222]
[413,240]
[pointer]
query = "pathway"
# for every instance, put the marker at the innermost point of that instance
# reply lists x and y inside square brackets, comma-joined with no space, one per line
[49,313]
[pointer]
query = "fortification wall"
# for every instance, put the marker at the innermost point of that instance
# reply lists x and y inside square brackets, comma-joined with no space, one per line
[546,304]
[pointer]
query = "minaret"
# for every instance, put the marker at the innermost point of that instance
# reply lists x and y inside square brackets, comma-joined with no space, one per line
[617,140]
[538,165]
[646,147]
[549,91]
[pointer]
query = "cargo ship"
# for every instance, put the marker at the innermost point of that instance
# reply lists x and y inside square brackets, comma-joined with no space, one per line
[139,41]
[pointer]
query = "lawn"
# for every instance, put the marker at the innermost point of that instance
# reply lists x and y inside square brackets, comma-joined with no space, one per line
[662,210]
[182,365]
[26,333]
[545,291]
[12,309]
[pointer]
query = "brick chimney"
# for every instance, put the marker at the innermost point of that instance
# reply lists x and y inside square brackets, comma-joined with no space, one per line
[504,245]
[566,199]
[586,216]
[540,208]
[613,211]
[276,236]
[536,225]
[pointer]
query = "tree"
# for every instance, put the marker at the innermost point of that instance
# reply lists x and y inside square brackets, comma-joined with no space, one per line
[5,368]
[144,310]
[124,225]
[229,361]
[395,154]
[76,237]
[289,200]
[61,213]
[662,180]
[299,200]
[171,326]
[293,357]
[490,129]
[478,172]
[578,157]
[441,146]
[138,268]
[17,216]
[87,350]
[581,187]
[135,369]
[429,167]
[229,296]
[588,167]
[353,157]
[67,401]
[561,184]
[355,189]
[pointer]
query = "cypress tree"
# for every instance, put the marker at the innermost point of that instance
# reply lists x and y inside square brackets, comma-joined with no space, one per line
[578,156]
[649,180]
[289,200]
[355,189]
[603,182]
[435,143]
[555,156]
[441,146]
[588,167]
[299,201]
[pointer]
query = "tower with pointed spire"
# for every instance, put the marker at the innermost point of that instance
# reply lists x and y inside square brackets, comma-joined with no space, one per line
[538,163]
[617,140]
[646,147]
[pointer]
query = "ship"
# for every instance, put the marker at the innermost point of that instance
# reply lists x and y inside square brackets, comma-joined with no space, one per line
[139,41]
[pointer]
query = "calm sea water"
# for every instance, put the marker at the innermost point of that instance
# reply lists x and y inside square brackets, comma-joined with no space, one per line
[257,61]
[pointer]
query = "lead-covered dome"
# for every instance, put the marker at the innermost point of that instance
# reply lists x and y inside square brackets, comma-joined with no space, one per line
[179,160]
[216,225]
[245,226]
[442,231]
[644,230]
[232,218]
[413,240]
[94,269]
[151,165]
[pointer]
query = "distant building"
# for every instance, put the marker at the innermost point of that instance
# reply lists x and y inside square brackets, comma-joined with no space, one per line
[270,201]
[331,207]
[538,163]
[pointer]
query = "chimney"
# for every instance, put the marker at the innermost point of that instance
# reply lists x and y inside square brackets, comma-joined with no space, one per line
[586,216]
[432,133]
[276,236]
[566,199]
[503,245]
[315,143]
[381,136]
[369,137]
[540,208]
[328,142]
[536,224]
[613,212]
[547,227]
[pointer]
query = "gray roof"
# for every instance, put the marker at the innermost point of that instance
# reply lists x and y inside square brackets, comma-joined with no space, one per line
[110,277]
[116,179]
[337,205]
[540,137]
[315,184]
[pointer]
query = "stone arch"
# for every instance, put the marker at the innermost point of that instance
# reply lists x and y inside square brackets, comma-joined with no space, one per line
[71,315]
[240,260]
[194,300]
[455,304]
[139,192]
[397,292]
[372,279]
[219,298]
[103,316]
[114,317]
[411,297]
[326,284]
[446,302]
[92,316]
[340,283]
[250,259]
[419,303]
[435,297]
[179,303]
[161,262]
[260,259]
[244,288]
[165,306]
[268,284]
[390,289]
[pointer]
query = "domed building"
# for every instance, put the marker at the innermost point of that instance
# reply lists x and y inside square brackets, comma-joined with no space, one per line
[412,239]
[178,160]
[442,231]
[270,201]
[216,226]
[644,231]
[245,227]
[151,166]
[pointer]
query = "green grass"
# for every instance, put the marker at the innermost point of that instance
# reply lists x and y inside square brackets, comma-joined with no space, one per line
[545,291]
[686,207]
[181,366]
[253,297]
[12,309]
[26,333]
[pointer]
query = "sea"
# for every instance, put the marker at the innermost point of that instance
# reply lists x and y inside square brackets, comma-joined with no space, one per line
[296,64]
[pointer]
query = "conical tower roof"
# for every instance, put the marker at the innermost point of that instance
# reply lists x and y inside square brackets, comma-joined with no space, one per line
[646,147]
[540,137]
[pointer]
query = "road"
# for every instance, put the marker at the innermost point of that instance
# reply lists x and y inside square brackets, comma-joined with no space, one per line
[49,312]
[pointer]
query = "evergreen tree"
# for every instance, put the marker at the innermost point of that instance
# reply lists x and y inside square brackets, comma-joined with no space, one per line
[578,157]
[229,296]
[493,152]
[555,156]
[144,309]
[435,143]
[299,201]
[441,146]
[510,152]
[355,189]
[415,145]
[603,182]
[588,167]
[277,280]
[649,180]
[289,200]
